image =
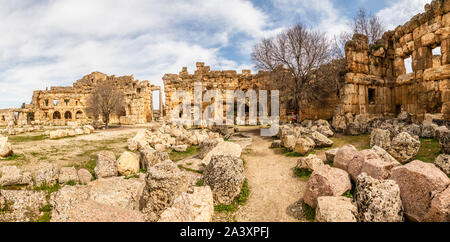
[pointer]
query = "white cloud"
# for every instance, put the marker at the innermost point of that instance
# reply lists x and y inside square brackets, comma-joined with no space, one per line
[52,42]
[399,12]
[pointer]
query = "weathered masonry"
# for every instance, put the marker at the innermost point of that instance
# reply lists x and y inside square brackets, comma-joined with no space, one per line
[66,105]
[377,82]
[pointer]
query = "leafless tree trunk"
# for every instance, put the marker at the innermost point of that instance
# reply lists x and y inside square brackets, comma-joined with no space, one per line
[105,100]
[298,51]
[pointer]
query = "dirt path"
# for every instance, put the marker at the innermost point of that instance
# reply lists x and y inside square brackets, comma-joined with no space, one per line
[275,191]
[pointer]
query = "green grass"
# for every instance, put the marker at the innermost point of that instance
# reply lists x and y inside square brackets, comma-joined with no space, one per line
[429,150]
[71,183]
[348,194]
[308,212]
[199,183]
[26,138]
[288,153]
[361,142]
[190,151]
[48,188]
[303,174]
[6,208]
[238,201]
[89,165]
[45,218]
[15,157]
[189,169]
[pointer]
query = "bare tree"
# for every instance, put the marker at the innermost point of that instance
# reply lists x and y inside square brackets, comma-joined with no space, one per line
[104,101]
[363,23]
[292,56]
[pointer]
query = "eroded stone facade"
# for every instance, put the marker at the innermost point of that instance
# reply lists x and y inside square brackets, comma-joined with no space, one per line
[67,105]
[377,82]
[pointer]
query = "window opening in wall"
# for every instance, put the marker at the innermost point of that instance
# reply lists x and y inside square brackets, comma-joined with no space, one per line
[437,58]
[139,91]
[46,102]
[67,101]
[371,94]
[56,115]
[55,102]
[408,65]
[437,51]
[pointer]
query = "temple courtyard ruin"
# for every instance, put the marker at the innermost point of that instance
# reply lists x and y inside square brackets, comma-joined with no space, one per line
[376,148]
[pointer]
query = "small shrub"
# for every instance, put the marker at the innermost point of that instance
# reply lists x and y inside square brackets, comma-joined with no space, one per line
[308,212]
[71,183]
[199,183]
[303,174]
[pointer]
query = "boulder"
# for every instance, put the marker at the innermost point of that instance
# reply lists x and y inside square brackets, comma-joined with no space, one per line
[330,154]
[11,175]
[5,147]
[325,130]
[106,165]
[413,129]
[84,176]
[289,142]
[428,130]
[91,211]
[440,131]
[118,192]
[443,163]
[439,208]
[225,176]
[223,149]
[418,181]
[343,156]
[150,157]
[195,207]
[378,200]
[164,183]
[404,147]
[160,147]
[138,142]
[380,138]
[65,199]
[326,181]
[339,123]
[304,145]
[180,148]
[369,162]
[321,140]
[89,129]
[335,209]
[47,174]
[404,116]
[311,163]
[67,174]
[444,142]
[128,164]
[207,145]
[24,206]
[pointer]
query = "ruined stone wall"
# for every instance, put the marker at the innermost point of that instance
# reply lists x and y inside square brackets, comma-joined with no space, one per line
[220,80]
[67,105]
[376,82]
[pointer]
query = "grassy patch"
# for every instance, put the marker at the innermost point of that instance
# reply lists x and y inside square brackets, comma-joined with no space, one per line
[71,183]
[89,165]
[6,208]
[361,142]
[199,183]
[303,174]
[45,218]
[16,157]
[288,153]
[189,169]
[48,188]
[190,151]
[429,150]
[26,138]
[348,194]
[239,201]
[308,212]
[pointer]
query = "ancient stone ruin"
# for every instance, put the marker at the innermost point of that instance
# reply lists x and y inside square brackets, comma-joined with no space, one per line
[66,105]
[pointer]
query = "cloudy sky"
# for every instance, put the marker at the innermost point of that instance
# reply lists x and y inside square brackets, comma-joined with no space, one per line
[47,43]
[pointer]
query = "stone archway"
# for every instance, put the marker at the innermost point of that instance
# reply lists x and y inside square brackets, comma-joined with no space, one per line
[79,115]
[56,115]
[68,115]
